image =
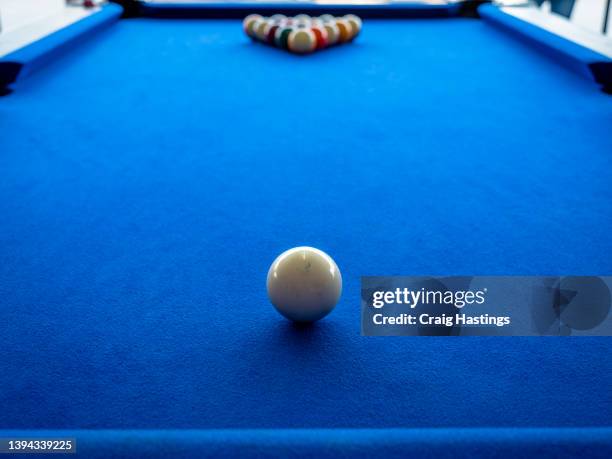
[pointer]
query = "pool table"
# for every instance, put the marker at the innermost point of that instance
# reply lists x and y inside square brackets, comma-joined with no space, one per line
[155,165]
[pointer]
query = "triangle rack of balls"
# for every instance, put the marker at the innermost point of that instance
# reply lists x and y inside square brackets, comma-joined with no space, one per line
[302,34]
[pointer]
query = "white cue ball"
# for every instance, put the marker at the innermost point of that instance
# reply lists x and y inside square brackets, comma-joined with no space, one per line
[304,284]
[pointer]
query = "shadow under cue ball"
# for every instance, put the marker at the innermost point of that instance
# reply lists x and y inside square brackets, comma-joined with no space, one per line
[304,284]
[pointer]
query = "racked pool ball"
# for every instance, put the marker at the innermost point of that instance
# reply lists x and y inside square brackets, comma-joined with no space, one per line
[304,284]
[271,33]
[302,41]
[333,33]
[302,19]
[355,23]
[264,31]
[281,36]
[278,18]
[327,18]
[258,29]
[321,36]
[249,22]
[346,31]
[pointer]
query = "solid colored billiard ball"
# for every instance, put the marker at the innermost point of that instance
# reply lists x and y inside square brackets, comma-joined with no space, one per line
[302,40]
[355,23]
[249,22]
[304,284]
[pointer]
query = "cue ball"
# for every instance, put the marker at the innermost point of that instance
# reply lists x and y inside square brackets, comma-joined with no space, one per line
[304,284]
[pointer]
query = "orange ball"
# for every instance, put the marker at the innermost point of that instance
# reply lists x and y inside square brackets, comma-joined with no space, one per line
[355,23]
[345,30]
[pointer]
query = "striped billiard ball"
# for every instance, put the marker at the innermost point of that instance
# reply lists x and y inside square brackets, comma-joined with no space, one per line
[260,30]
[321,36]
[345,30]
[249,22]
[355,23]
[281,36]
[333,33]
[271,34]
[270,24]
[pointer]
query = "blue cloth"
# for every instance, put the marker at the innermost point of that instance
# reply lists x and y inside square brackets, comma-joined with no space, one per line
[148,180]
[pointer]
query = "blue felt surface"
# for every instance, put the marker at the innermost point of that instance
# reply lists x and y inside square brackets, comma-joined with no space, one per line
[24,61]
[139,214]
